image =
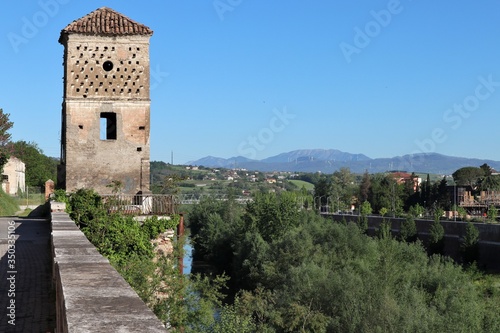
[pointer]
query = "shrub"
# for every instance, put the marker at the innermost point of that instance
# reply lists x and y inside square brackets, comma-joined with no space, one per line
[408,230]
[469,247]
[384,231]
[436,237]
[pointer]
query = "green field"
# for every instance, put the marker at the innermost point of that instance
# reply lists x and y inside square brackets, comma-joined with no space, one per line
[300,183]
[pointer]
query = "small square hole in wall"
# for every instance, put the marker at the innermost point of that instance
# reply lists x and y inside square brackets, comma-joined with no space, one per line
[80,126]
[142,128]
[139,148]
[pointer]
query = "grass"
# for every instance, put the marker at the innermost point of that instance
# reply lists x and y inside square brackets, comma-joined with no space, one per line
[25,212]
[300,183]
[32,199]
[8,205]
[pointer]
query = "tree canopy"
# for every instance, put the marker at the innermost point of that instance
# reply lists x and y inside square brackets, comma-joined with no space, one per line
[316,276]
[468,176]
[39,167]
[5,126]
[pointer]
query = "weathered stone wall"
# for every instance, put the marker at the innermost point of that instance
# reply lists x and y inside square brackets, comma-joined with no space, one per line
[106,78]
[91,296]
[94,163]
[87,76]
[15,171]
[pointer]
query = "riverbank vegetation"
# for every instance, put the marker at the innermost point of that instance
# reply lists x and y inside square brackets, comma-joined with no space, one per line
[183,302]
[292,271]
[279,267]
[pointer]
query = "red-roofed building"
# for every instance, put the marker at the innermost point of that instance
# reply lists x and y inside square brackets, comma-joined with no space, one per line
[106,103]
[404,177]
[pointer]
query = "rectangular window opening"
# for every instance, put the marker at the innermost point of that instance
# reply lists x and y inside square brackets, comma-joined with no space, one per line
[108,126]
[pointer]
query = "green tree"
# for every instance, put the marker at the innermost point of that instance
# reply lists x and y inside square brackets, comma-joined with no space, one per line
[443,197]
[272,214]
[364,187]
[329,277]
[322,189]
[408,231]
[469,246]
[383,211]
[364,210]
[385,192]
[468,176]
[416,210]
[343,187]
[487,170]
[436,240]
[39,167]
[231,320]
[462,213]
[170,184]
[384,231]
[426,199]
[492,213]
[490,183]
[5,126]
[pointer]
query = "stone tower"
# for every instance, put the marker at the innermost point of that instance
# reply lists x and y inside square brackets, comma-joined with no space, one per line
[106,107]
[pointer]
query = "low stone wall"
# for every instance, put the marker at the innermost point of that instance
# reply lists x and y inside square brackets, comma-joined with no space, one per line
[489,237]
[91,296]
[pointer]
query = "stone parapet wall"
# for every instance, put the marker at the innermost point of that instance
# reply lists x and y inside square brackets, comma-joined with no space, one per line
[91,296]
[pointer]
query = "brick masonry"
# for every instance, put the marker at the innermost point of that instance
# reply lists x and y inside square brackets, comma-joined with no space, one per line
[106,108]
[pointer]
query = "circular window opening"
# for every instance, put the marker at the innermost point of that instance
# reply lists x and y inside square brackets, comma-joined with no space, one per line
[107,66]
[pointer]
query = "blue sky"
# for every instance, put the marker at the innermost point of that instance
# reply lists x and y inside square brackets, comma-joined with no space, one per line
[258,78]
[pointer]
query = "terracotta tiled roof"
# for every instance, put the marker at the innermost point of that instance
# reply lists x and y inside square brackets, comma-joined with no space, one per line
[105,21]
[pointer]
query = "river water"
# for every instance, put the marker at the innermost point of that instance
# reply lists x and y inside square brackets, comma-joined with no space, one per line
[188,254]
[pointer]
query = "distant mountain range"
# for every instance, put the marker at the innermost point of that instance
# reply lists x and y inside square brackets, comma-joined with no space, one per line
[331,160]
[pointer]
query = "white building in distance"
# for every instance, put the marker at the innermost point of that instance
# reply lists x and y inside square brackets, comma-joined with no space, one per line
[14,176]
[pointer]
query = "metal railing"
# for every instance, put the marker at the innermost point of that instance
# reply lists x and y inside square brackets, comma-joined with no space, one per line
[140,204]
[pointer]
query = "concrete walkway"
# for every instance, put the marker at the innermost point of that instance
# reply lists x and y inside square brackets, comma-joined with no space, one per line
[27,298]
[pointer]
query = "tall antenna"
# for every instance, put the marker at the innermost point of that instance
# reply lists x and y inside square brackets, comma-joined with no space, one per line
[172,157]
